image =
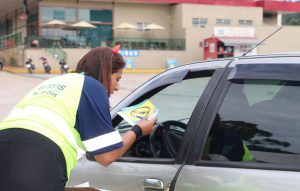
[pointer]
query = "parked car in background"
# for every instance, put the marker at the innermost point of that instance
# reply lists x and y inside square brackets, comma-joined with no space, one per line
[256,100]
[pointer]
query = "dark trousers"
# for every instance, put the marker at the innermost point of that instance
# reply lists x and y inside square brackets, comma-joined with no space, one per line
[30,162]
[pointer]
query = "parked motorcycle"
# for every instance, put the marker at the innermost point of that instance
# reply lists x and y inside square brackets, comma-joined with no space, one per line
[46,65]
[30,66]
[64,68]
[1,63]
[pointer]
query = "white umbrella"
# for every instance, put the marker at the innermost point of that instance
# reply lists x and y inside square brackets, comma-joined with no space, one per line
[126,25]
[83,25]
[54,24]
[154,26]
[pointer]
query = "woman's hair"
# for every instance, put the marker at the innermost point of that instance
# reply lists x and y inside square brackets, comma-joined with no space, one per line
[100,63]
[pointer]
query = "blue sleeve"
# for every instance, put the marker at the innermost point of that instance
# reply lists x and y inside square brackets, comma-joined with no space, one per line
[93,120]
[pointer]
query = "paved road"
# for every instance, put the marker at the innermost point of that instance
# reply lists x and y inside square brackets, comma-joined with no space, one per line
[14,86]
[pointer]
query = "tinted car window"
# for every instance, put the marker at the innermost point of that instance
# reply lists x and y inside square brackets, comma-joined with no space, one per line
[260,117]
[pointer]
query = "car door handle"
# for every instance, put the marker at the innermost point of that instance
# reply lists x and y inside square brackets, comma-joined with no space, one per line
[152,183]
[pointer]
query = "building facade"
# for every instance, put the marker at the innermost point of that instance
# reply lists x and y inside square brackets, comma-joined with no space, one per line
[179,35]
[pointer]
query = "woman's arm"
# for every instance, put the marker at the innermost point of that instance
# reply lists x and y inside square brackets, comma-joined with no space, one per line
[128,139]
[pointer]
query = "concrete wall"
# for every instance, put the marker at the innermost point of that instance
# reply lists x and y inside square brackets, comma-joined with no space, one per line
[14,53]
[194,37]
[214,12]
[74,55]
[285,40]
[146,60]
[176,23]
[149,13]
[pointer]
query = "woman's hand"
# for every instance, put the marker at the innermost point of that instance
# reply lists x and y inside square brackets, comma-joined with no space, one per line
[128,140]
[147,125]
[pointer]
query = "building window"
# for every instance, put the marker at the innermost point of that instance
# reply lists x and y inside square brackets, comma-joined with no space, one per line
[291,19]
[141,26]
[70,14]
[245,22]
[47,13]
[223,21]
[199,22]
[58,13]
[95,15]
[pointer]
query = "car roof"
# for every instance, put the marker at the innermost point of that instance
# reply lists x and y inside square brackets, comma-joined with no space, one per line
[280,58]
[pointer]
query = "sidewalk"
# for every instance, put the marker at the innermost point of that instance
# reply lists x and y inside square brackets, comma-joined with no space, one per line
[23,70]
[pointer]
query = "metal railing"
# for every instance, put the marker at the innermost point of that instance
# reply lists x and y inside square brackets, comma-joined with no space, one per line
[151,44]
[10,41]
[57,53]
[91,42]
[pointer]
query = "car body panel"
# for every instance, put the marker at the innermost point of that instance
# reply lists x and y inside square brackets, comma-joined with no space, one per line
[201,178]
[120,176]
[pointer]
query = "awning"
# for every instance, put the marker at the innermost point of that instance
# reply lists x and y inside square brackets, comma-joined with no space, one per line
[239,41]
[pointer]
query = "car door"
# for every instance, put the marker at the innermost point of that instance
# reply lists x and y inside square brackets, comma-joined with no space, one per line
[175,93]
[257,105]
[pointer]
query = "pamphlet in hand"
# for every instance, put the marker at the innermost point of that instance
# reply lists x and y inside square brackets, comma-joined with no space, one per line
[144,110]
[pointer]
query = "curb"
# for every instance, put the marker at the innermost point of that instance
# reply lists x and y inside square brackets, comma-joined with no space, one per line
[21,70]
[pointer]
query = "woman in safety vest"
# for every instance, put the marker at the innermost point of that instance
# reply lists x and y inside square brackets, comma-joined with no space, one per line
[59,120]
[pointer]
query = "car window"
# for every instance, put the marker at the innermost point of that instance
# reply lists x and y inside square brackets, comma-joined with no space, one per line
[258,121]
[258,90]
[175,103]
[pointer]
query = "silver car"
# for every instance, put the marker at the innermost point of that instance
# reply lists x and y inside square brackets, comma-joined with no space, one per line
[229,124]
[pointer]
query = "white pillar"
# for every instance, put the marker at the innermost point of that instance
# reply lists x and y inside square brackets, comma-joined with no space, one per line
[279,18]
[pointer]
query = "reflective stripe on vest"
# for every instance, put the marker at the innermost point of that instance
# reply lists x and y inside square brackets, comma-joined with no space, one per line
[57,122]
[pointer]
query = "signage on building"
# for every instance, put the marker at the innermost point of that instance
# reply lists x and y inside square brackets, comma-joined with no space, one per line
[131,53]
[246,32]
[129,64]
[171,63]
